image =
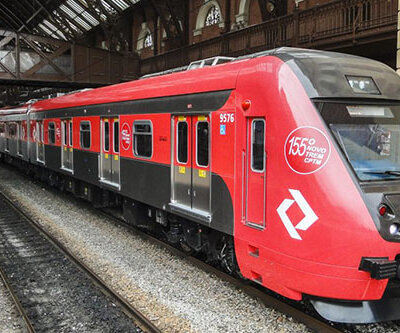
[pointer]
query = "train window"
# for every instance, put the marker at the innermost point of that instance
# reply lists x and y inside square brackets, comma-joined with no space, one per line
[64,130]
[202,143]
[2,129]
[142,139]
[70,132]
[85,137]
[12,130]
[116,137]
[52,133]
[257,145]
[106,136]
[182,142]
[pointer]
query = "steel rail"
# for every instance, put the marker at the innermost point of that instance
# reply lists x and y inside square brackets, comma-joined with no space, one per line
[143,322]
[311,322]
[17,303]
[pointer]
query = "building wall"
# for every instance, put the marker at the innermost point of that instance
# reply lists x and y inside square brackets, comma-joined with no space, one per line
[144,20]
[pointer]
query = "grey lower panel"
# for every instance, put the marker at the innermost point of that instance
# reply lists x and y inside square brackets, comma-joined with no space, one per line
[86,166]
[150,183]
[363,312]
[53,157]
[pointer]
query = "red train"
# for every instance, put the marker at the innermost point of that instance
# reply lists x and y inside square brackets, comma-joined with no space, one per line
[283,166]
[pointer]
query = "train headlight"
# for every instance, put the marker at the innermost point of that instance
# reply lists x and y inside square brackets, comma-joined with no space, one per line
[363,84]
[394,229]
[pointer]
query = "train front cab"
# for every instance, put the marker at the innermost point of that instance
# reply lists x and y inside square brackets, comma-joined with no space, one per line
[332,161]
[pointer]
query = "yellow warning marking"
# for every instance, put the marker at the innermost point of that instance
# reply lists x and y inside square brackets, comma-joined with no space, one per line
[115,157]
[202,173]
[115,119]
[202,118]
[182,169]
[181,118]
[70,149]
[105,120]
[105,156]
[65,148]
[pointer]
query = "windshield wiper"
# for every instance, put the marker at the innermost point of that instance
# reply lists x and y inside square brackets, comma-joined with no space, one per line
[388,172]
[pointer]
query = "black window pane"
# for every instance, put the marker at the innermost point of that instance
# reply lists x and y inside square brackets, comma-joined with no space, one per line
[65,133]
[70,133]
[85,135]
[106,136]
[116,137]
[182,142]
[202,144]
[52,133]
[142,140]
[258,145]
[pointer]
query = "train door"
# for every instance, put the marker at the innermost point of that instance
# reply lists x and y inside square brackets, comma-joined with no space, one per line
[109,159]
[67,151]
[115,149]
[39,141]
[255,173]
[19,138]
[191,164]
[7,137]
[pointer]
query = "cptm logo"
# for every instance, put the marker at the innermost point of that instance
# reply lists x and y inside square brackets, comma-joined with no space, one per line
[309,216]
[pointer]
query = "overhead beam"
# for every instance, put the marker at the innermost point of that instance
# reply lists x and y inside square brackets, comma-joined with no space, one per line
[29,40]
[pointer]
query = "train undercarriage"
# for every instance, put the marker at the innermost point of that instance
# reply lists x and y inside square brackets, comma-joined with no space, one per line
[212,246]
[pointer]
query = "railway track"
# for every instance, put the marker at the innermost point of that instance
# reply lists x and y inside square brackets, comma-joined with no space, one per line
[313,323]
[52,289]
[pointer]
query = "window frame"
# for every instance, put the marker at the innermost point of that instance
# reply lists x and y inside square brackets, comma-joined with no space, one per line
[80,134]
[251,146]
[48,131]
[177,142]
[106,121]
[142,122]
[64,130]
[113,140]
[70,133]
[208,143]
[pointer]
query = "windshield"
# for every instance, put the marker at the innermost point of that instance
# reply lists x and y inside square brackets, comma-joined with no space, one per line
[369,137]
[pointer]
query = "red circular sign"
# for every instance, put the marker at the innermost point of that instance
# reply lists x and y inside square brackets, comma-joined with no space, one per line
[307,150]
[126,136]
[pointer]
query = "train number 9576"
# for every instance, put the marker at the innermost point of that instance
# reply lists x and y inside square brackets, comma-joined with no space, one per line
[226,117]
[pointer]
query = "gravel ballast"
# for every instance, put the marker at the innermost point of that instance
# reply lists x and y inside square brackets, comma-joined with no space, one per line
[10,319]
[177,296]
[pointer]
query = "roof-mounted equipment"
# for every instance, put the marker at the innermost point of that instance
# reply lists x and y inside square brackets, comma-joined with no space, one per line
[209,62]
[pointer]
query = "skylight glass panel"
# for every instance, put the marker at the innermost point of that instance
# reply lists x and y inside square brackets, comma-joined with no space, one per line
[67,11]
[120,4]
[107,7]
[45,29]
[61,34]
[49,25]
[75,6]
[90,18]
[134,1]
[82,23]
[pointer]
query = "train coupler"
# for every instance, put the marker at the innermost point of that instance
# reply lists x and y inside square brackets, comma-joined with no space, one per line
[380,268]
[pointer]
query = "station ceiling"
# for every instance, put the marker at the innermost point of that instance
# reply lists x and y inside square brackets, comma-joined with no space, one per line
[60,19]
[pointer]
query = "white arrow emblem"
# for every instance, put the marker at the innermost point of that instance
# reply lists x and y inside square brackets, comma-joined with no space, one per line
[309,216]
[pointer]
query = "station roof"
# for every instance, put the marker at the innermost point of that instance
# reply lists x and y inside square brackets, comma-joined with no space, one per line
[60,19]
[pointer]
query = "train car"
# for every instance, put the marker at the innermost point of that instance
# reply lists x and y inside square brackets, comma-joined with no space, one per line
[282,166]
[14,132]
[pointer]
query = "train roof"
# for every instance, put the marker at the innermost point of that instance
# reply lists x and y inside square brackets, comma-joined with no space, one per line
[329,74]
[7,110]
[323,75]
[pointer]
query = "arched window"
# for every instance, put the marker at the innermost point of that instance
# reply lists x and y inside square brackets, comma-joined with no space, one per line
[148,40]
[213,16]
